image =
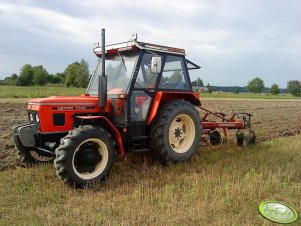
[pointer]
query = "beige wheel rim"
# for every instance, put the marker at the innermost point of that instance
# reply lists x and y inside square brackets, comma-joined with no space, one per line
[40,158]
[100,166]
[181,133]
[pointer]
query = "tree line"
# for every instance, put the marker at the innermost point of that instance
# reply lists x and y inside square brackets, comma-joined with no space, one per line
[255,85]
[75,75]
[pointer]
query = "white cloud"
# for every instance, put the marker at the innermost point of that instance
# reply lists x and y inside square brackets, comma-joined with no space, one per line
[217,31]
[45,22]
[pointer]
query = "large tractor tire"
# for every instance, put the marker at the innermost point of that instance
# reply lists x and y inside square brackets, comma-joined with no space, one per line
[175,132]
[28,156]
[85,156]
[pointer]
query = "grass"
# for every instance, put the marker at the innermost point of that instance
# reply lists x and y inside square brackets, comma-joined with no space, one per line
[45,91]
[219,186]
[38,91]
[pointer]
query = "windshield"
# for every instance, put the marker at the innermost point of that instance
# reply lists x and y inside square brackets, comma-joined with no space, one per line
[119,70]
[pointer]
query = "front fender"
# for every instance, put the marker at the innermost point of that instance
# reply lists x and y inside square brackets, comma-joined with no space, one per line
[113,130]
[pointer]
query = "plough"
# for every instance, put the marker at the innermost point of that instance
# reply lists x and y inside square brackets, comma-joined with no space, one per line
[239,121]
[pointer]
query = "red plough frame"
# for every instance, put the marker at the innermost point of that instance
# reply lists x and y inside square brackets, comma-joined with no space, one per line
[225,123]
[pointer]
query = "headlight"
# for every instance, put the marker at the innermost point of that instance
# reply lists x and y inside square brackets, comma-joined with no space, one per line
[37,118]
[31,117]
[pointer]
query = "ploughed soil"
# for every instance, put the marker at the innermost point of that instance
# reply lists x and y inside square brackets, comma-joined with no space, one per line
[271,118]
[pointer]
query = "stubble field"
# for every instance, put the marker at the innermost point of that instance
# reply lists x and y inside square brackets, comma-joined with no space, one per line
[220,186]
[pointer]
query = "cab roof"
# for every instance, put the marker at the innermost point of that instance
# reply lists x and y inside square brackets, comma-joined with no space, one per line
[133,44]
[123,46]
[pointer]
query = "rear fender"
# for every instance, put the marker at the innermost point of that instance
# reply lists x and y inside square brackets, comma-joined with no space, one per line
[162,96]
[114,131]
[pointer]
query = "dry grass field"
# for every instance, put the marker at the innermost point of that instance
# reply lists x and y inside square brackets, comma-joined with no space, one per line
[219,186]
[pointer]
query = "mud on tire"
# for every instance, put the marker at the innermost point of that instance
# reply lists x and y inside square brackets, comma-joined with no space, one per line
[85,156]
[175,132]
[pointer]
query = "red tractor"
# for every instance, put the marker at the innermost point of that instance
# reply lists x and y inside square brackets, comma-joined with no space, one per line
[139,98]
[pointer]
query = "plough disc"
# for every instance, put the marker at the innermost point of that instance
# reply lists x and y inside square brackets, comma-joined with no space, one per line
[245,140]
[215,137]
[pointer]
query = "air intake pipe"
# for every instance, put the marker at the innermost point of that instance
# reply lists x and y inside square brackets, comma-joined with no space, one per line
[102,80]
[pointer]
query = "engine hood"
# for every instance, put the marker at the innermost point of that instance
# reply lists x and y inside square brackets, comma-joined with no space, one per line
[64,100]
[68,103]
[56,113]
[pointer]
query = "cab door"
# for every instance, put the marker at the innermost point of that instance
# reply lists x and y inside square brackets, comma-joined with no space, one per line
[143,91]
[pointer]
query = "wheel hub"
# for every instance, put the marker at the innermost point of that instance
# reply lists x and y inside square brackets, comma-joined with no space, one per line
[178,133]
[181,133]
[89,159]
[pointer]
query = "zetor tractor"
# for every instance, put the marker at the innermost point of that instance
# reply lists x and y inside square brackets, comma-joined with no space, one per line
[139,98]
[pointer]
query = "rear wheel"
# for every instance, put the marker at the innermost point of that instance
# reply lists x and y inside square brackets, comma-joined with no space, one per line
[175,132]
[85,156]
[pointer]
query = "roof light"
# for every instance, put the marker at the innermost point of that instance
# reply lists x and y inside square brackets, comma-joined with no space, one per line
[112,51]
[176,50]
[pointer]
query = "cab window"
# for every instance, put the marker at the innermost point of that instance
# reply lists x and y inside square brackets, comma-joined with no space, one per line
[146,79]
[174,75]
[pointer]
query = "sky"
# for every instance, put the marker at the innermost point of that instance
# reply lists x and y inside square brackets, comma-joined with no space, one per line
[232,40]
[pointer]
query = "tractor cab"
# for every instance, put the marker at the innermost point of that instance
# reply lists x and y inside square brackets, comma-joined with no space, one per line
[136,72]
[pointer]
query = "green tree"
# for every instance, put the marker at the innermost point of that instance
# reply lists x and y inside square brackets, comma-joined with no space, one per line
[209,88]
[77,74]
[294,87]
[200,82]
[40,75]
[14,77]
[26,76]
[70,74]
[256,85]
[176,77]
[58,78]
[82,78]
[236,90]
[275,89]
[10,80]
[194,83]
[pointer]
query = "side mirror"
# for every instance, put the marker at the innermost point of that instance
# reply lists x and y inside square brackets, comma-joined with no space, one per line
[156,65]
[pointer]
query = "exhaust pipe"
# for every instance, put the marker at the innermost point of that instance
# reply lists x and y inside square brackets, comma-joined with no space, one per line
[102,80]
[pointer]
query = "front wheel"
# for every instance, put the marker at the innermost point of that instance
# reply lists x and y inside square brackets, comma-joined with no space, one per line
[28,156]
[85,156]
